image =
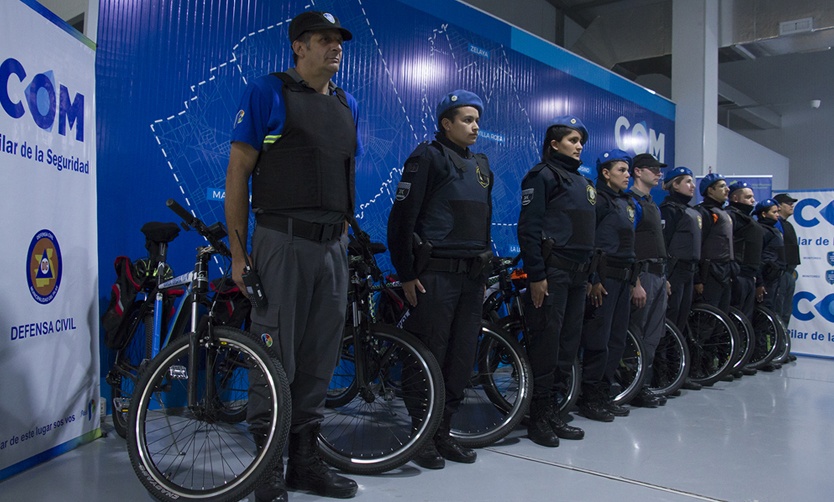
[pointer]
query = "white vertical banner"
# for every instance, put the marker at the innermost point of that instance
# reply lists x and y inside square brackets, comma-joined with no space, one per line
[812,324]
[49,388]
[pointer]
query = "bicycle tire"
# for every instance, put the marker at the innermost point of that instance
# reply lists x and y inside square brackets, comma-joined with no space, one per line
[671,361]
[785,347]
[343,387]
[747,338]
[768,337]
[374,431]
[184,453]
[499,392]
[566,393]
[713,343]
[129,360]
[631,372]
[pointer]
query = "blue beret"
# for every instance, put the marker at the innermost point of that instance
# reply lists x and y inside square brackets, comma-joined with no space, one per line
[613,155]
[764,205]
[458,98]
[708,181]
[674,173]
[573,123]
[738,185]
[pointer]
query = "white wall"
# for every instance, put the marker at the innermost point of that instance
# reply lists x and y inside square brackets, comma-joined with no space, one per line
[741,156]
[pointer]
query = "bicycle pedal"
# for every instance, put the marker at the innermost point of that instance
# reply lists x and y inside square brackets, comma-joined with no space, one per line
[121,404]
[178,372]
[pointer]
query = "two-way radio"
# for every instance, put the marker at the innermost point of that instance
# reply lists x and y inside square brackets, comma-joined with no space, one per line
[251,279]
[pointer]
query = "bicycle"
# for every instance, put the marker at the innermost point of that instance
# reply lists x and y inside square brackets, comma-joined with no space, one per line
[386,396]
[770,335]
[747,338]
[187,439]
[713,343]
[671,361]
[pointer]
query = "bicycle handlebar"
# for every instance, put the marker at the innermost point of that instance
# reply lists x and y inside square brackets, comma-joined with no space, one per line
[211,235]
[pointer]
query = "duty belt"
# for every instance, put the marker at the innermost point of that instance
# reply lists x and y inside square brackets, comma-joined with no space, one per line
[689,266]
[453,265]
[619,273]
[316,232]
[654,266]
[557,261]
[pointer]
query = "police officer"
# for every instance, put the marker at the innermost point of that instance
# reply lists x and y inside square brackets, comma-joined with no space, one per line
[443,202]
[788,283]
[649,313]
[774,264]
[604,331]
[682,236]
[296,136]
[713,280]
[556,236]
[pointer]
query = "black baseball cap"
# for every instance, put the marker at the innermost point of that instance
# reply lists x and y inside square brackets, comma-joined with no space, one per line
[784,198]
[647,160]
[313,21]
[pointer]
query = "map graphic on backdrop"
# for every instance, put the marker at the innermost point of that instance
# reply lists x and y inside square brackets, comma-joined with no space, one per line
[397,82]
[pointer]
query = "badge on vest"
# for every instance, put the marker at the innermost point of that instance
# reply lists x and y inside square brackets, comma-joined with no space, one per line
[630,212]
[700,222]
[403,188]
[412,167]
[592,195]
[482,179]
[527,196]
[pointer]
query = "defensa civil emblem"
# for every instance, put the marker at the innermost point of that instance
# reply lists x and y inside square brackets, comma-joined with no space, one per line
[829,276]
[630,212]
[830,256]
[482,179]
[591,192]
[44,267]
[403,188]
[527,196]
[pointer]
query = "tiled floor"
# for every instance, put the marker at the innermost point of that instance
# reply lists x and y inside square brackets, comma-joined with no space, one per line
[769,437]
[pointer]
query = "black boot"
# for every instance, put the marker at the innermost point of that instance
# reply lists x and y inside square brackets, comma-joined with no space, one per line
[274,488]
[539,430]
[427,457]
[592,404]
[307,471]
[559,427]
[449,448]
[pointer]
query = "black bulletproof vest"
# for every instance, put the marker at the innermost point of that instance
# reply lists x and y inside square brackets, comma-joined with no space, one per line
[648,236]
[774,246]
[570,217]
[456,216]
[747,238]
[718,244]
[615,232]
[686,241]
[311,166]
[791,245]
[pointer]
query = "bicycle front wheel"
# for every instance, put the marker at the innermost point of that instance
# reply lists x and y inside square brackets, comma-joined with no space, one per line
[188,452]
[379,422]
[713,343]
[746,336]
[671,361]
[770,335]
[630,374]
[498,394]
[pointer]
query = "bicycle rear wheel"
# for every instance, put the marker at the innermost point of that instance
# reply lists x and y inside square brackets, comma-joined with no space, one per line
[498,393]
[381,422]
[671,361]
[630,374]
[182,452]
[747,338]
[785,347]
[769,336]
[713,343]
[123,375]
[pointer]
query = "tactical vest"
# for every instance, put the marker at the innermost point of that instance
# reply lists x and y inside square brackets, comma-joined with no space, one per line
[717,246]
[747,239]
[456,216]
[791,245]
[615,232]
[311,166]
[686,241]
[648,236]
[570,216]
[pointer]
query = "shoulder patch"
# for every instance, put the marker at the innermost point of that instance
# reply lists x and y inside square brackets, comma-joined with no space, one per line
[591,192]
[412,166]
[403,189]
[527,196]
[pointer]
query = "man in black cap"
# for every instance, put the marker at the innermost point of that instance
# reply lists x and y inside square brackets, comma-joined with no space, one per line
[788,282]
[712,283]
[296,136]
[649,312]
[444,203]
